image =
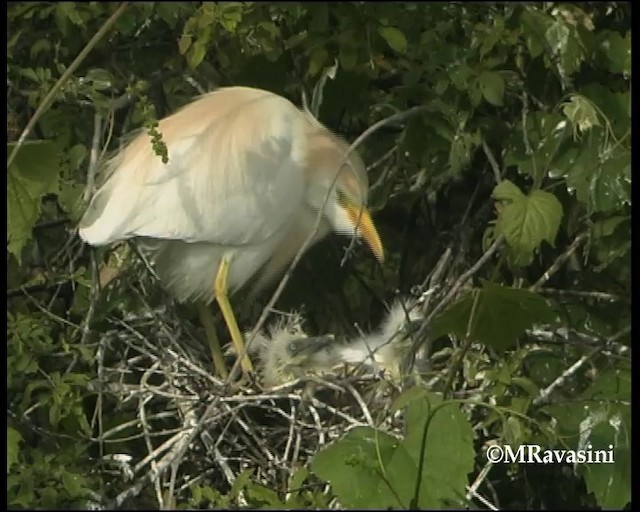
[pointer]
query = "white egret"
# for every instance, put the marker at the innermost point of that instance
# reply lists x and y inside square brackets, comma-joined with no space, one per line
[246,176]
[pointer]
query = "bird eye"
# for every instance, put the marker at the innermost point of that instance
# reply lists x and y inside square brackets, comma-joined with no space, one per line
[293,347]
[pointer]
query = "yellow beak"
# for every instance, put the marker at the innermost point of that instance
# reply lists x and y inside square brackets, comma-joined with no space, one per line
[361,219]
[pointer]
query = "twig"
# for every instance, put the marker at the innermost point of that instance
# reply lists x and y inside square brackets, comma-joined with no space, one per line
[492,161]
[471,490]
[545,394]
[93,157]
[457,285]
[588,295]
[46,102]
[560,260]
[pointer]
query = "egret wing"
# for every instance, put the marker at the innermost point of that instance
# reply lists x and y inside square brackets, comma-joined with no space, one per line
[235,174]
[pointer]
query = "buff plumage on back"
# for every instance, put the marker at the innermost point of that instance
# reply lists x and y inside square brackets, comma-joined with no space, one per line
[233,176]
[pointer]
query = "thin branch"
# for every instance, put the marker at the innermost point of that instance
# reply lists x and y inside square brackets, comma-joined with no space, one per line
[545,394]
[587,295]
[492,161]
[457,285]
[560,260]
[93,156]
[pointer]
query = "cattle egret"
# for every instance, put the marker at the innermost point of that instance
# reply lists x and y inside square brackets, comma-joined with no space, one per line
[246,176]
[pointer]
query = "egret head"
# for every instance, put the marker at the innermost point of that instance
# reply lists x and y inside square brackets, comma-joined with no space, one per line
[286,352]
[341,174]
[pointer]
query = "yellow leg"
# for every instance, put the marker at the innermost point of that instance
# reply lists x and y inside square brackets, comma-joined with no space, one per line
[221,294]
[206,318]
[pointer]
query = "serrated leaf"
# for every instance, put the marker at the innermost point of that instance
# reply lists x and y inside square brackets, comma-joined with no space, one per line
[528,220]
[492,87]
[394,38]
[501,315]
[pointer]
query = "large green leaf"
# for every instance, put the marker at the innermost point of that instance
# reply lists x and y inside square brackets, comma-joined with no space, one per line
[394,38]
[492,87]
[359,469]
[441,437]
[13,447]
[501,315]
[526,221]
[33,173]
[601,422]
[370,469]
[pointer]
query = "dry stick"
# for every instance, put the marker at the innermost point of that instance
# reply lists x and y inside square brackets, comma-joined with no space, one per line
[492,161]
[545,394]
[468,340]
[458,284]
[560,260]
[93,158]
[590,295]
[46,102]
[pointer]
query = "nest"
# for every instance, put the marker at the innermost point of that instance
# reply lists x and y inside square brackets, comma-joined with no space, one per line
[168,424]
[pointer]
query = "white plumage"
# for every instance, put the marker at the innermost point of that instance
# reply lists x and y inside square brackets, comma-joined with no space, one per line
[246,176]
[287,352]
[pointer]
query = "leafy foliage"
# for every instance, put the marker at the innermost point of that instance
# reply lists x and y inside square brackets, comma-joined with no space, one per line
[524,133]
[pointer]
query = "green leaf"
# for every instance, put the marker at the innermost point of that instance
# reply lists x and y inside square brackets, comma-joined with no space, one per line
[73,484]
[507,191]
[348,54]
[501,315]
[617,50]
[196,54]
[358,467]
[317,59]
[295,40]
[581,113]
[185,43]
[394,38]
[601,420]
[446,452]
[528,220]
[557,35]
[33,173]
[492,87]
[76,156]
[13,447]
[100,78]
[534,26]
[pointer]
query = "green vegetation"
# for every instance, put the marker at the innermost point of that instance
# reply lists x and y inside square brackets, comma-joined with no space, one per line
[517,159]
